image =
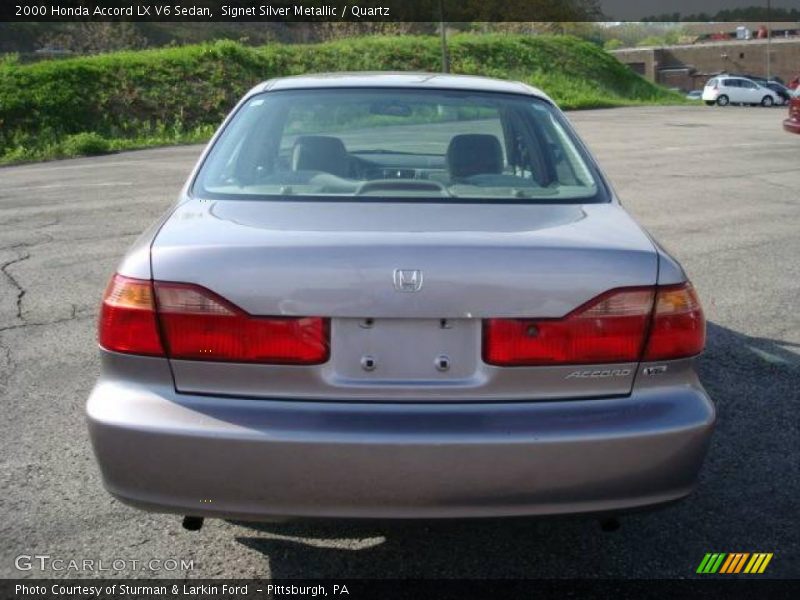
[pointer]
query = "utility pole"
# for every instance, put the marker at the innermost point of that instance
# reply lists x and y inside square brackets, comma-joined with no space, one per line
[443,32]
[769,39]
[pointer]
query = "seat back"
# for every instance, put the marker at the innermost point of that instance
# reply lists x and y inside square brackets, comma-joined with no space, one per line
[320,153]
[474,154]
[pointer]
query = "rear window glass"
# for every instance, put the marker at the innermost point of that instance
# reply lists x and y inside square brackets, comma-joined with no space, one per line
[397,144]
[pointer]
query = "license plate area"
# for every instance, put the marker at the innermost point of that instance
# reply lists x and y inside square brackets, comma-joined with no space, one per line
[405,351]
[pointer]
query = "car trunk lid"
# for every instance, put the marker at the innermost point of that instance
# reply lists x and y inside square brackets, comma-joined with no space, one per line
[405,284]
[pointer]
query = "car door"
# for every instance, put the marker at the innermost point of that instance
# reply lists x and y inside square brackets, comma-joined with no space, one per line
[751,92]
[730,89]
[734,91]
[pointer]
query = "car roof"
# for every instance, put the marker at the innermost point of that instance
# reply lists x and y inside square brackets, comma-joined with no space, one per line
[433,81]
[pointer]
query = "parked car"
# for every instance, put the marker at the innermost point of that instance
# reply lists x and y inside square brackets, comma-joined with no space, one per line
[784,93]
[758,79]
[724,90]
[695,95]
[775,83]
[792,123]
[398,295]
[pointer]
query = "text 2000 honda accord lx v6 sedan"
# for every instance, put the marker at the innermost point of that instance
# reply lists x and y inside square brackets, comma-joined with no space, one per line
[398,296]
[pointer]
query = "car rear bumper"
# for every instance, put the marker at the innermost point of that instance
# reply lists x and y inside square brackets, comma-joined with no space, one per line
[261,459]
[791,125]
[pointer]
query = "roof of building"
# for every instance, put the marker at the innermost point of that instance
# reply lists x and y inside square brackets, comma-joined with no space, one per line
[713,44]
[730,27]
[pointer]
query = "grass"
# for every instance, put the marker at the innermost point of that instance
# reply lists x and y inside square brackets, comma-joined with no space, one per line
[92,143]
[127,100]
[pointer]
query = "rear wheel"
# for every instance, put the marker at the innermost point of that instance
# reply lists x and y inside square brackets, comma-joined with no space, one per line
[767,101]
[723,100]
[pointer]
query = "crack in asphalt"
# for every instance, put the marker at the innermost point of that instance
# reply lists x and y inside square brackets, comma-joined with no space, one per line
[48,238]
[106,236]
[73,316]
[7,365]
[17,285]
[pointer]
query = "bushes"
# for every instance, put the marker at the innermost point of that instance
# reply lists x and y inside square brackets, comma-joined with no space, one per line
[133,99]
[9,59]
[84,144]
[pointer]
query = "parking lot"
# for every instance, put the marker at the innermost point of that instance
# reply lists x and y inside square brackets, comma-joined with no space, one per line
[720,188]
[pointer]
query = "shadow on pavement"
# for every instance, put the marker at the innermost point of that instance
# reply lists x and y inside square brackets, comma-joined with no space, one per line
[746,501]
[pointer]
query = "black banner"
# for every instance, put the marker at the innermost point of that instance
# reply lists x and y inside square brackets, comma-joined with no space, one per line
[560,589]
[400,10]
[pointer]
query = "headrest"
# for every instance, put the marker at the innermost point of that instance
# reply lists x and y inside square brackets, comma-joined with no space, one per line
[320,153]
[474,154]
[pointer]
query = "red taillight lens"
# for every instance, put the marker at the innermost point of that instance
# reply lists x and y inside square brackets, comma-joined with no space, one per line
[128,318]
[199,325]
[679,327]
[610,328]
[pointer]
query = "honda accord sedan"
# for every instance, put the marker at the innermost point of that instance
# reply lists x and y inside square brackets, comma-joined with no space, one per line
[398,296]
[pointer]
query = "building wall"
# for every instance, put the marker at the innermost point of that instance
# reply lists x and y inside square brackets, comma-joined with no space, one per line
[701,61]
[641,60]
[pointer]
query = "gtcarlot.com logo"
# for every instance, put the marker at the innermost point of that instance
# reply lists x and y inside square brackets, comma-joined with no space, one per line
[734,562]
[45,562]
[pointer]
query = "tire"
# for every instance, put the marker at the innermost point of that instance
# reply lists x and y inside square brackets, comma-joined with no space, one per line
[710,103]
[767,101]
[723,100]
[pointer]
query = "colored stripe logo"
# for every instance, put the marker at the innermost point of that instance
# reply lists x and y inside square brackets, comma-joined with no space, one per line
[734,562]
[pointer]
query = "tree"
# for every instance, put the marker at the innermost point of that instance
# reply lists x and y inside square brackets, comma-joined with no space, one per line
[96,37]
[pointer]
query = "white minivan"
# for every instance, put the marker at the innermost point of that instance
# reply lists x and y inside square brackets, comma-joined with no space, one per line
[724,90]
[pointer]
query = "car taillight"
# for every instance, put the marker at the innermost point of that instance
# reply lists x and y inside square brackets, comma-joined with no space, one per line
[199,325]
[196,324]
[623,325]
[678,329]
[128,318]
[608,329]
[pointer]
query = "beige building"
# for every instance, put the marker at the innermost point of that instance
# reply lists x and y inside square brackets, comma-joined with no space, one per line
[688,67]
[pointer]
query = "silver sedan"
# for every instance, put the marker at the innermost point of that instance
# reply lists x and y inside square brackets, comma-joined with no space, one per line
[402,296]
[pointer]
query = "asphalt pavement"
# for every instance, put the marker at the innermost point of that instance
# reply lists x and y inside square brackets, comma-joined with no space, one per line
[720,188]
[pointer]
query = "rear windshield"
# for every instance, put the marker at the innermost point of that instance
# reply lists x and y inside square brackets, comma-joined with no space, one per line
[390,143]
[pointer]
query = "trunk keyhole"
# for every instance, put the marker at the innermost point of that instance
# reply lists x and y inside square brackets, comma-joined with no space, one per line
[442,363]
[368,363]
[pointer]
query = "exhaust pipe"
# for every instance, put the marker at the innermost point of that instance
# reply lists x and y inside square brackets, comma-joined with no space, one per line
[192,523]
